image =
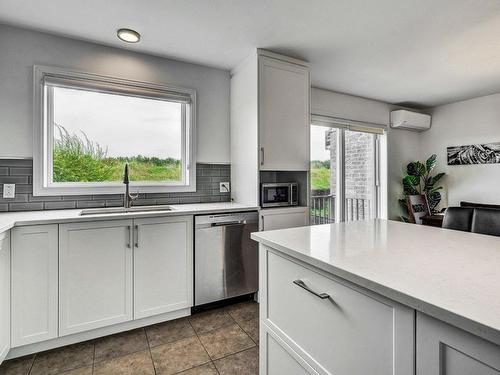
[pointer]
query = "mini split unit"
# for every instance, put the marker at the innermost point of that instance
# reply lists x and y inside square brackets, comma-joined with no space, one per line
[403,119]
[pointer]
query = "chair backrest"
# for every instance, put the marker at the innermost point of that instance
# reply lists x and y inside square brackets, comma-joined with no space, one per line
[458,218]
[486,221]
[418,207]
[479,205]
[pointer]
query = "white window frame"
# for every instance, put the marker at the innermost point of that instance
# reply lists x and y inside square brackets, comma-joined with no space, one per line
[43,133]
[379,209]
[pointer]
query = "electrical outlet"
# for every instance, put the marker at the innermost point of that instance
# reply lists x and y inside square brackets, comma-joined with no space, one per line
[224,187]
[9,190]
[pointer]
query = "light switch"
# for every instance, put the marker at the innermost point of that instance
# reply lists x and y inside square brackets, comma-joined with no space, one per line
[9,190]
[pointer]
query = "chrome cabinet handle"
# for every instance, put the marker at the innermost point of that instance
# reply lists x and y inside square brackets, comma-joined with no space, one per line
[303,285]
[129,229]
[136,236]
[262,156]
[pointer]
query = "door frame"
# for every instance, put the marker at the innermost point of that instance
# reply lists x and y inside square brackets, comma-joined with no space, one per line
[343,125]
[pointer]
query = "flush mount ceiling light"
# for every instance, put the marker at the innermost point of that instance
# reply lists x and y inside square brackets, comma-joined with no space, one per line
[128,35]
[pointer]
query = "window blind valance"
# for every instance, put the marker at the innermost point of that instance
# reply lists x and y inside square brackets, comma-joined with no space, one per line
[351,125]
[118,88]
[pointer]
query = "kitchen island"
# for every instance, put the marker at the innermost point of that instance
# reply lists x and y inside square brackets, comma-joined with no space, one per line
[379,297]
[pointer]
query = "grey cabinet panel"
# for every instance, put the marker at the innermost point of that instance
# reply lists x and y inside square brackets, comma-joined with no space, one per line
[445,350]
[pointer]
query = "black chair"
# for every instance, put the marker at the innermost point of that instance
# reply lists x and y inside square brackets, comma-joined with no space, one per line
[486,221]
[458,218]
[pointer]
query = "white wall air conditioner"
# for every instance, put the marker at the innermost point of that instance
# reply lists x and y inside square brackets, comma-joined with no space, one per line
[403,119]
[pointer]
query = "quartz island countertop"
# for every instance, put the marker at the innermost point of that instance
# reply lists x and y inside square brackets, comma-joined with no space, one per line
[450,275]
[10,219]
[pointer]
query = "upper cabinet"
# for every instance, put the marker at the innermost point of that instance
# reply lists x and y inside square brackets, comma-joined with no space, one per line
[283,115]
[270,120]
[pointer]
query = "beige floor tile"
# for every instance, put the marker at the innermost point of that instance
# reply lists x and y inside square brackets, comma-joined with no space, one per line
[242,363]
[208,369]
[178,356]
[120,344]
[168,332]
[244,311]
[139,363]
[251,327]
[18,366]
[208,321]
[226,340]
[64,359]
[78,371]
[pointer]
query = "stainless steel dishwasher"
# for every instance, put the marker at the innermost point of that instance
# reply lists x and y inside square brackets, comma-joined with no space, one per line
[225,258]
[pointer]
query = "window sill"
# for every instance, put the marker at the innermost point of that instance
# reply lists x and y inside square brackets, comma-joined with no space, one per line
[115,189]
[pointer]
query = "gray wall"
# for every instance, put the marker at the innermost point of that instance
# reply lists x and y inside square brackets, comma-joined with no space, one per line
[19,171]
[20,49]
[462,123]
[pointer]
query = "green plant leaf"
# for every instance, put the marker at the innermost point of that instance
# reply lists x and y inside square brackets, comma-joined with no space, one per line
[431,163]
[437,177]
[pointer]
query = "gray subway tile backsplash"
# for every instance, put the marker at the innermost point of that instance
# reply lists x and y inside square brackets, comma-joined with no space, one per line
[20,172]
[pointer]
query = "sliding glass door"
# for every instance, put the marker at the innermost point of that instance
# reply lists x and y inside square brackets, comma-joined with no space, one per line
[344,173]
[323,174]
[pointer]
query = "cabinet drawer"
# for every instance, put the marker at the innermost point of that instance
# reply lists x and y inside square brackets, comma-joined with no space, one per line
[336,332]
[276,360]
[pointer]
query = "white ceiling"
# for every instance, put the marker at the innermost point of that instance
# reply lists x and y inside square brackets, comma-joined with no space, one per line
[421,52]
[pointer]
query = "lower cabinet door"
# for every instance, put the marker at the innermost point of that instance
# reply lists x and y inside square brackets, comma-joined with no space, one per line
[95,275]
[445,350]
[34,284]
[4,295]
[282,218]
[163,265]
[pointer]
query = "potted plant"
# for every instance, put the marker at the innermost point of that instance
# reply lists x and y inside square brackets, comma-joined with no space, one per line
[418,180]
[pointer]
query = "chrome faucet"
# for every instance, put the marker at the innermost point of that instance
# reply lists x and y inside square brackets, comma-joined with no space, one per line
[128,198]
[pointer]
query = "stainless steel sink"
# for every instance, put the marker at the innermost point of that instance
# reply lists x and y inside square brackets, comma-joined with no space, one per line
[122,210]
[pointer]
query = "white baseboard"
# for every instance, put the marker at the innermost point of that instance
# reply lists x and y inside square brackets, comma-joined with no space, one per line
[95,333]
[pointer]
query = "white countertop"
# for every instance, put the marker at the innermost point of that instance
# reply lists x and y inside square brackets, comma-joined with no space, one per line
[453,276]
[11,219]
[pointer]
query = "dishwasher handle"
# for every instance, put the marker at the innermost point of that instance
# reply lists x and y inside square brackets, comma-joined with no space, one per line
[228,223]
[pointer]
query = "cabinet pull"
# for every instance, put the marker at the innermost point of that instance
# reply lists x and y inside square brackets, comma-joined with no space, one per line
[303,285]
[262,217]
[136,236]
[129,232]
[262,156]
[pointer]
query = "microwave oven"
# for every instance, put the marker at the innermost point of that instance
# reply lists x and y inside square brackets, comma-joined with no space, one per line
[279,194]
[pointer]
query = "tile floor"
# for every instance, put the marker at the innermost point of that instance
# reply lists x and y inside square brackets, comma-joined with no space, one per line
[222,341]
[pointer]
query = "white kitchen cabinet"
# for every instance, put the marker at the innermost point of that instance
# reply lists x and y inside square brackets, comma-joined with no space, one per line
[278,361]
[163,265]
[446,350]
[4,295]
[282,218]
[34,284]
[270,121]
[335,326]
[95,275]
[284,116]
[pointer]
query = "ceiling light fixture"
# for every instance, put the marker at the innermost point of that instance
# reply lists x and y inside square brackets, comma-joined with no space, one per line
[128,35]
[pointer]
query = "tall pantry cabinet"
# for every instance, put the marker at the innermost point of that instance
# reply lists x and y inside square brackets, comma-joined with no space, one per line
[270,122]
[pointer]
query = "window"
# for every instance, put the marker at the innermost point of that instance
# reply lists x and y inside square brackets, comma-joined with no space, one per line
[345,171]
[88,126]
